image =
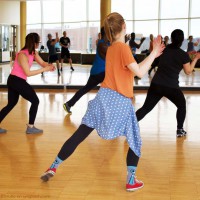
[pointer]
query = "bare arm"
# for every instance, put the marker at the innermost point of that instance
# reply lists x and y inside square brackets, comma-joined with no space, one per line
[140,69]
[40,61]
[141,41]
[188,67]
[102,49]
[23,62]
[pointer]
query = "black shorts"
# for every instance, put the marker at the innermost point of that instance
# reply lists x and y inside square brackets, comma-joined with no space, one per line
[65,53]
[53,58]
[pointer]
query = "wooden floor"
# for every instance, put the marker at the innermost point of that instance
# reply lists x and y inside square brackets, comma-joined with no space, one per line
[169,167]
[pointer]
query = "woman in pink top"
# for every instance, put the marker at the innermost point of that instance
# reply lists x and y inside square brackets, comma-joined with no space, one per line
[111,112]
[17,84]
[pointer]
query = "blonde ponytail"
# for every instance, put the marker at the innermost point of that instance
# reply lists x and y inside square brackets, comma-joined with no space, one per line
[113,25]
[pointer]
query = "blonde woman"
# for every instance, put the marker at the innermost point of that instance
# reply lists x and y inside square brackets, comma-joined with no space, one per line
[111,112]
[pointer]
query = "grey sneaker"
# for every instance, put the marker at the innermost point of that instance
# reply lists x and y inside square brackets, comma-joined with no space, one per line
[33,130]
[67,108]
[2,130]
[181,132]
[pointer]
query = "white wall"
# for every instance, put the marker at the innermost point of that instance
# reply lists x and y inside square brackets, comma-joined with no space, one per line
[10,12]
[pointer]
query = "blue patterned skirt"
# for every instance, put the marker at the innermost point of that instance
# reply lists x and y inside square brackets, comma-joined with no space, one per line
[113,115]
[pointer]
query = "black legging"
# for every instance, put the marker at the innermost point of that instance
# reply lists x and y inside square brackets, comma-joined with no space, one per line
[18,86]
[81,133]
[155,93]
[93,81]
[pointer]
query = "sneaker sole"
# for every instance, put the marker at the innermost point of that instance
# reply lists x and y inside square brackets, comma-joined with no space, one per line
[66,109]
[181,135]
[134,189]
[46,176]
[34,133]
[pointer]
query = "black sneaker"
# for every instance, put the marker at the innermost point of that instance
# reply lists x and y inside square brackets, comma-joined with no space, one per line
[67,108]
[181,133]
[72,68]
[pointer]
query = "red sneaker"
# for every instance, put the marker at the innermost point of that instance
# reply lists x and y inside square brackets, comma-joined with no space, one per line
[137,185]
[48,174]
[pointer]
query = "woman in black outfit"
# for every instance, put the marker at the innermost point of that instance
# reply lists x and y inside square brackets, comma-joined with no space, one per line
[165,82]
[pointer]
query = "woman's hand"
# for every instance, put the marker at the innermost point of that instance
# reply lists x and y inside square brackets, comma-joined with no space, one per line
[49,67]
[158,46]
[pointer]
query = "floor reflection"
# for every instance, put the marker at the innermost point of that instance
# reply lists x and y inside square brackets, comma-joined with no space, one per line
[80,76]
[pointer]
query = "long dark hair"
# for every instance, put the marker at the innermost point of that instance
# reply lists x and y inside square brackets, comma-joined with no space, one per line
[177,37]
[30,41]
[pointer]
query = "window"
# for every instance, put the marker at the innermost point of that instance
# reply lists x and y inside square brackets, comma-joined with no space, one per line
[125,8]
[195,8]
[51,11]
[34,28]
[33,17]
[167,26]
[141,27]
[94,10]
[81,18]
[146,9]
[74,10]
[195,28]
[174,9]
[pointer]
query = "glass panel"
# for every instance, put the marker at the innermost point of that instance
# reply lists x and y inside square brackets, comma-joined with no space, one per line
[149,11]
[167,26]
[94,10]
[33,17]
[36,28]
[141,27]
[195,6]
[52,11]
[129,27]
[125,9]
[75,10]
[5,38]
[174,9]
[195,27]
[93,36]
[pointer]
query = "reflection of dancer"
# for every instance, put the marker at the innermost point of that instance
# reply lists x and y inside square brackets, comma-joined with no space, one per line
[157,60]
[165,81]
[65,44]
[17,84]
[104,113]
[99,38]
[53,56]
[97,72]
[191,44]
[134,46]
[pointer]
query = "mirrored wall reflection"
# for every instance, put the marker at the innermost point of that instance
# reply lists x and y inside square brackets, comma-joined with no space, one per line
[8,43]
[5,36]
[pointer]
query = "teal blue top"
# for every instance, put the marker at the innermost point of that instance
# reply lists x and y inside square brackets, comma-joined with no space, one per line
[98,65]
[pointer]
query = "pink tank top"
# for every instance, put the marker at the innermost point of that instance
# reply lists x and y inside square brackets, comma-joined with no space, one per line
[17,69]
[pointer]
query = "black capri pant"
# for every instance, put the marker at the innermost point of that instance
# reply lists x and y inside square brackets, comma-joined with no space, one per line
[155,93]
[18,86]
